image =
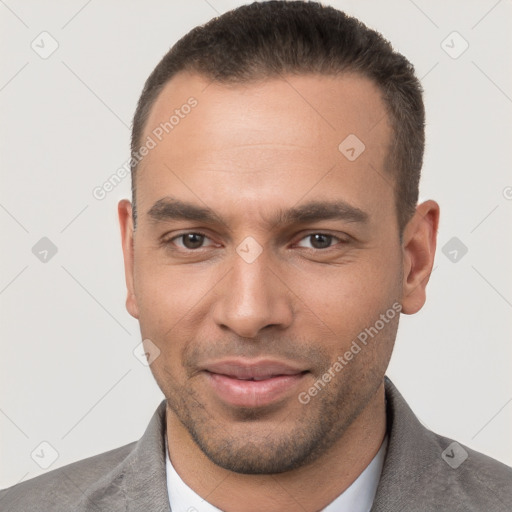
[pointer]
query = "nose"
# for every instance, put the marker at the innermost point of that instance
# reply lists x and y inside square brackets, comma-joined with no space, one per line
[252,298]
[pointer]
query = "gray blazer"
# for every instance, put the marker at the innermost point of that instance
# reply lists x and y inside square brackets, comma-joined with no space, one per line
[422,472]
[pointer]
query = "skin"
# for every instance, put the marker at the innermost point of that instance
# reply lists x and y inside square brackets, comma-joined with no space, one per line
[248,152]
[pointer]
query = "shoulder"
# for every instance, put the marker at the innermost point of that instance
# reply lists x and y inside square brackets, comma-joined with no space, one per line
[62,488]
[424,471]
[131,477]
[469,479]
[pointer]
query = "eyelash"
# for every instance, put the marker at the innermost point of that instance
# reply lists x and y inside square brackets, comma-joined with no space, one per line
[169,241]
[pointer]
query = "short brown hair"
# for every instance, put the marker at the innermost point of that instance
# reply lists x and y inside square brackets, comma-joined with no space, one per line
[266,39]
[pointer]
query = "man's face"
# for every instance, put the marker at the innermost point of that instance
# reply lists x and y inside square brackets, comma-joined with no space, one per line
[272,284]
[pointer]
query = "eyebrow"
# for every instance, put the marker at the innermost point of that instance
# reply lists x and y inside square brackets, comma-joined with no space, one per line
[170,208]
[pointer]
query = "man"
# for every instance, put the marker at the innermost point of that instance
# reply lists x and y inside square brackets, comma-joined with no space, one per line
[273,239]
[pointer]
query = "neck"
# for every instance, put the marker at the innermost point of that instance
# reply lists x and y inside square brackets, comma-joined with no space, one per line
[311,487]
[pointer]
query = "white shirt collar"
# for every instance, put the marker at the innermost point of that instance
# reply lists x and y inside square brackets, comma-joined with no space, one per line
[356,498]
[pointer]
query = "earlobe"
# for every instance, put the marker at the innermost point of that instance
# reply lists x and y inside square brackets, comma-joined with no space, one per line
[124,210]
[419,247]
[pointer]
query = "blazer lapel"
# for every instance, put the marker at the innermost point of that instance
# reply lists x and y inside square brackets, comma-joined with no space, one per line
[139,483]
[414,474]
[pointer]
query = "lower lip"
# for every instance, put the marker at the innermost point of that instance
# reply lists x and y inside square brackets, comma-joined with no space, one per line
[252,393]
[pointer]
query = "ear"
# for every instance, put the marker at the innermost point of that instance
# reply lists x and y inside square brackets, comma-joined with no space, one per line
[124,210]
[419,248]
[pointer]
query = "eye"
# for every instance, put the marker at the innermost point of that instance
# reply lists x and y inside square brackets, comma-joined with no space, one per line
[319,241]
[189,241]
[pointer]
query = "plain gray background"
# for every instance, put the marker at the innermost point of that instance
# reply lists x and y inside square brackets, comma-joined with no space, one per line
[68,374]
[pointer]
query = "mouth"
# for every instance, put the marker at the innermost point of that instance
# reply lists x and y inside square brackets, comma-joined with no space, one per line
[253,383]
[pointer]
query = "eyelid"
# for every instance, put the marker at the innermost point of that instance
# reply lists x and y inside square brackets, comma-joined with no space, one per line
[341,240]
[165,240]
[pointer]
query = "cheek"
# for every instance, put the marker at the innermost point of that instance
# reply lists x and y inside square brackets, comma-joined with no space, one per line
[170,297]
[160,292]
[164,299]
[344,300]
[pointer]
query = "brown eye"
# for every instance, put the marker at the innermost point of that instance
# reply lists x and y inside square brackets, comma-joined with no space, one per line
[188,242]
[192,240]
[318,241]
[321,241]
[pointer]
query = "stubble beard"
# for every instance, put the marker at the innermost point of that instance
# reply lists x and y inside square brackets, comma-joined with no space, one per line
[252,447]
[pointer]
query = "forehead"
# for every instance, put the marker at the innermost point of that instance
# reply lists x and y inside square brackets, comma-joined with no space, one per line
[325,105]
[270,140]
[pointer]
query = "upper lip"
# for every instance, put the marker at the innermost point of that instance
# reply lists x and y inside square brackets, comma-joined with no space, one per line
[249,369]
